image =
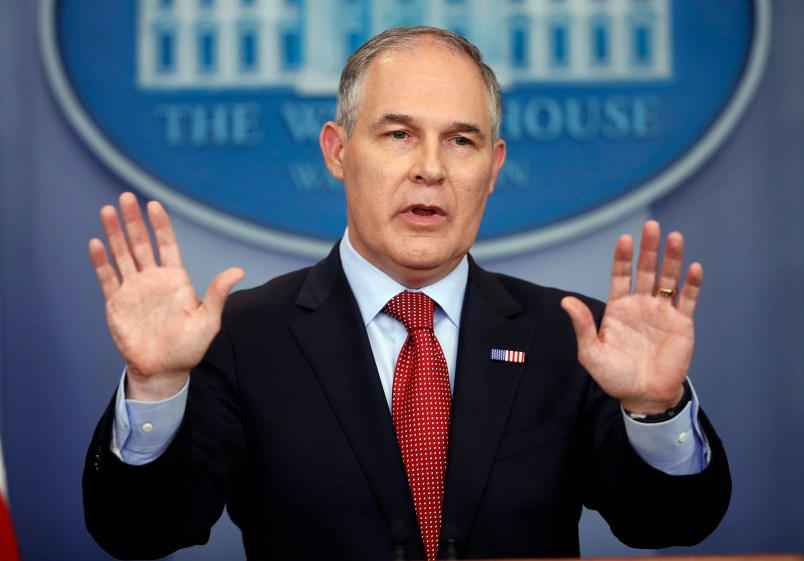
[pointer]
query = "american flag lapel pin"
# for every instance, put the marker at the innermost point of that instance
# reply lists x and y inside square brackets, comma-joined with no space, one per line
[506,355]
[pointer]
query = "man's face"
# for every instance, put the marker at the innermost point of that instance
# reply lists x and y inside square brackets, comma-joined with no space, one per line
[420,162]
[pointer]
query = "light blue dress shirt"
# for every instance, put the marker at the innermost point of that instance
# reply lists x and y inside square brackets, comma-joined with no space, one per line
[143,430]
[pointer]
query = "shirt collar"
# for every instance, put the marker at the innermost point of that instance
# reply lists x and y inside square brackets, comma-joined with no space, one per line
[373,288]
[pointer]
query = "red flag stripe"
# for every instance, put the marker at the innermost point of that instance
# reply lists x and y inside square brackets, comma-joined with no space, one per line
[8,540]
[515,356]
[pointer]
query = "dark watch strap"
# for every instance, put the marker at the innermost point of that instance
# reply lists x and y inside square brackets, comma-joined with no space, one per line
[667,415]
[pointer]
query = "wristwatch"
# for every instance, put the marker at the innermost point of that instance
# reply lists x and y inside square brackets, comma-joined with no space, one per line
[667,415]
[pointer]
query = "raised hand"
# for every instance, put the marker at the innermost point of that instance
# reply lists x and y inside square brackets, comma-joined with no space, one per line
[643,350]
[154,314]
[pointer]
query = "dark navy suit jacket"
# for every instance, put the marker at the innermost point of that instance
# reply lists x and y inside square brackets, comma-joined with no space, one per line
[287,424]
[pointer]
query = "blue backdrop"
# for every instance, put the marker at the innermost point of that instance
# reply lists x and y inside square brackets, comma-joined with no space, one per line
[741,213]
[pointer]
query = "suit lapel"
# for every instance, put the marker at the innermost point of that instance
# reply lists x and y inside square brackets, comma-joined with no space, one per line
[483,395]
[334,339]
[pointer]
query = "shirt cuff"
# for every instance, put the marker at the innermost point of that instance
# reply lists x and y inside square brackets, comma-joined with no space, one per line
[144,429]
[677,446]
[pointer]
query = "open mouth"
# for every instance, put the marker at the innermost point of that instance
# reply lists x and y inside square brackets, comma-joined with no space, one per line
[424,216]
[420,211]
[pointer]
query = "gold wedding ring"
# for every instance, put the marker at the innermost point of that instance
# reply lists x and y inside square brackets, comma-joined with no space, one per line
[671,292]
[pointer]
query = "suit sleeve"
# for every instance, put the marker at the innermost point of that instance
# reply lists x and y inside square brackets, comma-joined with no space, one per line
[149,511]
[645,507]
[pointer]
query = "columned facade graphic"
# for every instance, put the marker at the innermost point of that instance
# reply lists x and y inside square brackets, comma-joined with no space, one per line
[303,44]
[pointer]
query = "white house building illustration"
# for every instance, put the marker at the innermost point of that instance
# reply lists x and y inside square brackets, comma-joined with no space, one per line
[303,44]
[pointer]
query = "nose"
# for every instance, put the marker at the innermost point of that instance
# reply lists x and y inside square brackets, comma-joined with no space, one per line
[428,165]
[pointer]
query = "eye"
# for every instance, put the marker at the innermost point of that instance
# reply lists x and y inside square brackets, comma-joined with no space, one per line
[398,135]
[462,141]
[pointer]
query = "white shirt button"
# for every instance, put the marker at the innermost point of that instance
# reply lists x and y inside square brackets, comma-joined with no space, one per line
[682,438]
[147,427]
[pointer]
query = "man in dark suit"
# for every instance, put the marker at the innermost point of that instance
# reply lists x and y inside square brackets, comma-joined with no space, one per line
[279,404]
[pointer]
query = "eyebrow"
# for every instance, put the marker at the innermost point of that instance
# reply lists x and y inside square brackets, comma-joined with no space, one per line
[409,120]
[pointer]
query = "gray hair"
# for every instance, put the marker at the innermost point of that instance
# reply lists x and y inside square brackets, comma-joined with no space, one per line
[406,39]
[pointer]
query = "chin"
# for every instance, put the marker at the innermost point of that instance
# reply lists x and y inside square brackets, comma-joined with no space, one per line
[427,252]
[428,257]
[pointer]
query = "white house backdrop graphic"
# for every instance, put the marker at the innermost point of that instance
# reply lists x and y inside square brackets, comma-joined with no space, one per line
[303,44]
[273,66]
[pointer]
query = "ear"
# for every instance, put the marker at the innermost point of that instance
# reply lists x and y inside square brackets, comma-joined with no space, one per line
[497,161]
[333,141]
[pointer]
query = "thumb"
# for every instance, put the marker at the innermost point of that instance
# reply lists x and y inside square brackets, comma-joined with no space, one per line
[220,287]
[582,321]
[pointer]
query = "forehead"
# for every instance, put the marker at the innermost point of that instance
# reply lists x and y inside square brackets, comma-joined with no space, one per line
[427,78]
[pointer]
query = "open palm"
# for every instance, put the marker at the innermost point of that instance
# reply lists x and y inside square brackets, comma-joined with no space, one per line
[155,317]
[642,351]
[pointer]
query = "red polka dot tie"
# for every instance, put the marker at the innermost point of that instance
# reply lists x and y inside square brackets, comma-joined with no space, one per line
[420,406]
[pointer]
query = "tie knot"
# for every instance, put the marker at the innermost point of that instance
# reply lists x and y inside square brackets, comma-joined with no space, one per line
[414,309]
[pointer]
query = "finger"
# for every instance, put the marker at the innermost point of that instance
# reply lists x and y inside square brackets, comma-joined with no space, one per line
[106,273]
[138,239]
[671,263]
[691,289]
[621,270]
[219,289]
[168,246]
[648,260]
[118,245]
[583,322]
